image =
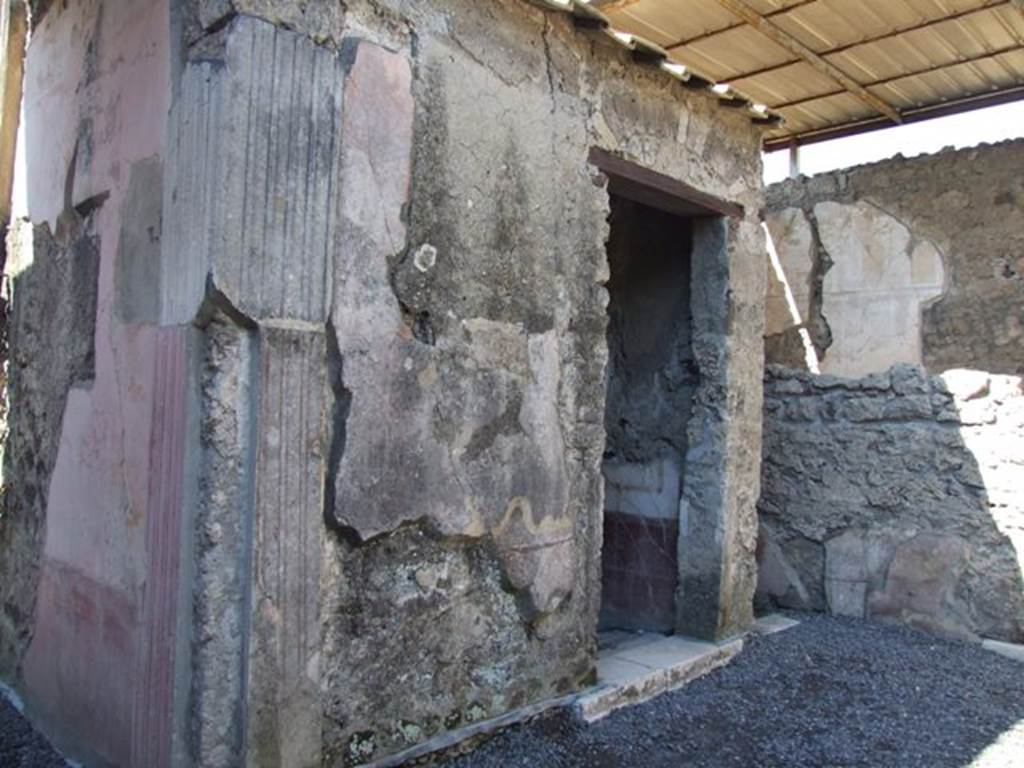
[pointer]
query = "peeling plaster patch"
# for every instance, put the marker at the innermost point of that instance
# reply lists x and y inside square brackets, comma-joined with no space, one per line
[881,277]
[953,202]
[137,276]
[52,349]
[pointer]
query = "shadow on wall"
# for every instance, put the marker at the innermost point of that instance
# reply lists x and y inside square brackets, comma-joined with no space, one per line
[892,496]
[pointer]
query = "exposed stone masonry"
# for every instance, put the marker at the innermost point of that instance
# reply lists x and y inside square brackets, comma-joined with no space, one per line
[52,322]
[896,496]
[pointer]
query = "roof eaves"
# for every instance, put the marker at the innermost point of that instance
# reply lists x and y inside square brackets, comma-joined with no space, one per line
[587,17]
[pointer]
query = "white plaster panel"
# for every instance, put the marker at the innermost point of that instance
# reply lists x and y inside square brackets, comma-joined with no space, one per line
[881,277]
[794,242]
[643,489]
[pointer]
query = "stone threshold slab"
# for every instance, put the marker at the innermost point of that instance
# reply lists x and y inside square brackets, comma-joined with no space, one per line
[772,624]
[634,668]
[1009,650]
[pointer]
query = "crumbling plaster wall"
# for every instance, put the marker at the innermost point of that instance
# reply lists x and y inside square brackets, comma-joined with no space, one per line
[896,496]
[334,483]
[464,323]
[905,260]
[85,545]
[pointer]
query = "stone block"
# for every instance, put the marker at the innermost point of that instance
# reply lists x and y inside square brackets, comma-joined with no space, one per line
[862,409]
[777,579]
[921,585]
[909,380]
[773,624]
[1013,651]
[786,385]
[878,381]
[846,598]
[908,407]
[649,669]
[802,410]
[846,573]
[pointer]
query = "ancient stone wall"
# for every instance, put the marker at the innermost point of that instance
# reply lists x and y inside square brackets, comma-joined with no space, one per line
[888,493]
[906,260]
[329,482]
[896,496]
[449,243]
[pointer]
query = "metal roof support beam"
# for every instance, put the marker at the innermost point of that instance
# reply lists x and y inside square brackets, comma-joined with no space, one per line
[790,43]
[917,114]
[722,30]
[988,8]
[906,75]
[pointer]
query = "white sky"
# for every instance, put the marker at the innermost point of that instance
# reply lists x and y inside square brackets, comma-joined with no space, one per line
[963,130]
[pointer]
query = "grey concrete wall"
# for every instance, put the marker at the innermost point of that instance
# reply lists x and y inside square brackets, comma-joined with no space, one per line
[906,260]
[335,485]
[896,496]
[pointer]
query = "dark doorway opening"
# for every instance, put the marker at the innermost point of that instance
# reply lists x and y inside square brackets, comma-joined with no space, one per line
[652,378]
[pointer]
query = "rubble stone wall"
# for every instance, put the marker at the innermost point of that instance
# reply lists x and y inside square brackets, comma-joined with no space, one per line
[889,493]
[896,496]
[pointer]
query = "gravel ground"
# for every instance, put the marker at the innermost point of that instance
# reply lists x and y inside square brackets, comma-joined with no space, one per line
[829,692]
[20,746]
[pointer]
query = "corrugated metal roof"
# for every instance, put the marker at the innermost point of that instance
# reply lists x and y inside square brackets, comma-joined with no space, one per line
[922,58]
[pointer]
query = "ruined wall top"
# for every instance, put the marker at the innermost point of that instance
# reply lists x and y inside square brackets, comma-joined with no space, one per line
[904,261]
